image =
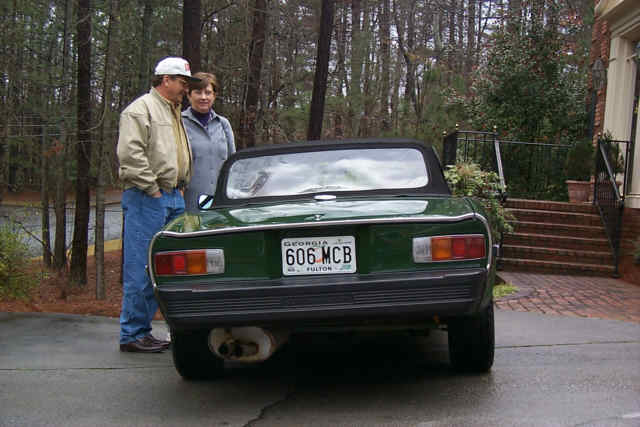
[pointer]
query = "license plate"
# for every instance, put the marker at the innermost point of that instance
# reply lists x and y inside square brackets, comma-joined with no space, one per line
[318,255]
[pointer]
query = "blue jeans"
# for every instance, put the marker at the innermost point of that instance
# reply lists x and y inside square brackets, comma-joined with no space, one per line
[143,217]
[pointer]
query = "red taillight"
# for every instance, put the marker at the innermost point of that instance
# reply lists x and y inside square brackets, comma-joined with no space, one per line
[445,248]
[163,264]
[179,263]
[476,247]
[459,247]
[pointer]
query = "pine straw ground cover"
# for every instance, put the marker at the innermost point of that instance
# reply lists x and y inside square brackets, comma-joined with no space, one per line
[53,293]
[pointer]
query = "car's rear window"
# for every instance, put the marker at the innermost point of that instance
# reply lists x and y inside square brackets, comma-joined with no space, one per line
[326,171]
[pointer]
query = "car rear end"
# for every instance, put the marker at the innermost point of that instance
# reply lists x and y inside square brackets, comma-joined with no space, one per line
[324,237]
[318,273]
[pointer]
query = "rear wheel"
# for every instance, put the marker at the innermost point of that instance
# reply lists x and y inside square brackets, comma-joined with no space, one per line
[472,342]
[192,358]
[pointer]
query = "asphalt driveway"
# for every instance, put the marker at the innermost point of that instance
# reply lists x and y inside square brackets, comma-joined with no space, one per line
[549,370]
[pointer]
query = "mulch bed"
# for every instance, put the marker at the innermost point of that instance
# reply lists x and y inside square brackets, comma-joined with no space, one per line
[54,294]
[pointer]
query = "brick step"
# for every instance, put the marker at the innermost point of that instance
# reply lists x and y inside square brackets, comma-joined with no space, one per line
[553,241]
[545,205]
[552,229]
[557,217]
[557,255]
[537,266]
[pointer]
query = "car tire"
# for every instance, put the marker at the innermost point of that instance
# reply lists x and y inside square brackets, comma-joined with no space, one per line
[192,358]
[472,342]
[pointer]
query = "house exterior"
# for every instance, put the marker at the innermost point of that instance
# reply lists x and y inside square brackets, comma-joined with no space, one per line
[616,46]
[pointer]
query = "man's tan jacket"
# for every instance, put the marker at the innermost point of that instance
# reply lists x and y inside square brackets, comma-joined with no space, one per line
[147,146]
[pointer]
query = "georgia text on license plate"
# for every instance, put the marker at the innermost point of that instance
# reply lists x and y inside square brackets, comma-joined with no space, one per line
[318,255]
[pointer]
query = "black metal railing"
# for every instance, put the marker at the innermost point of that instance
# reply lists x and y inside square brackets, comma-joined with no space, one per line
[482,148]
[612,170]
[526,170]
[535,170]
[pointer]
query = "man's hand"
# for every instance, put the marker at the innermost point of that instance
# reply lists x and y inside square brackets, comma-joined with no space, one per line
[157,195]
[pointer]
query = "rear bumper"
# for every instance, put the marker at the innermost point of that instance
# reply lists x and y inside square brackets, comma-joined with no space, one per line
[340,300]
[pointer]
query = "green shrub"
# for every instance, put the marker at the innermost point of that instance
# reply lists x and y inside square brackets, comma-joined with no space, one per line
[467,179]
[580,161]
[15,278]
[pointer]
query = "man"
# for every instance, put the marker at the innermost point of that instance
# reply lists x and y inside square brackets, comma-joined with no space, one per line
[155,166]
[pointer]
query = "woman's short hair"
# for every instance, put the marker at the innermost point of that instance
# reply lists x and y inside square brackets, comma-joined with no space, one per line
[206,79]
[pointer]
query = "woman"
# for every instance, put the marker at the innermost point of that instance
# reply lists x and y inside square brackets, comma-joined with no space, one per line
[210,137]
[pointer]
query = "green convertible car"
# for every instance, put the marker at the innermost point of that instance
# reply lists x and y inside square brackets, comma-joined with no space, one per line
[325,236]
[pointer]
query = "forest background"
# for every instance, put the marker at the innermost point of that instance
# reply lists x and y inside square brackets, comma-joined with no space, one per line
[288,70]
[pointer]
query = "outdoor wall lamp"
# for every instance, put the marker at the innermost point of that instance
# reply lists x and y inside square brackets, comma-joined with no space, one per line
[598,74]
[636,53]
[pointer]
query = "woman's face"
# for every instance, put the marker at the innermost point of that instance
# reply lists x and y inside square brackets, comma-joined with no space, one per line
[201,100]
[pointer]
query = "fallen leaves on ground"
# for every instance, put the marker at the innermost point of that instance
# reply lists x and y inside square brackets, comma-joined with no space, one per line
[54,294]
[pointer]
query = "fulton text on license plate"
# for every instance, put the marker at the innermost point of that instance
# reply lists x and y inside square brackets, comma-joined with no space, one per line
[318,255]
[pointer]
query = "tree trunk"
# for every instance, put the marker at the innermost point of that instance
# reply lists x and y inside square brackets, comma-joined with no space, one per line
[514,17]
[471,37]
[452,34]
[385,54]
[191,32]
[366,77]
[110,50]
[60,245]
[44,200]
[145,47]
[322,71]
[256,49]
[357,52]
[83,151]
[341,72]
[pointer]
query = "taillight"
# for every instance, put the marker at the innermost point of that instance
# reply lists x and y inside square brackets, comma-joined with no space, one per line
[193,262]
[448,248]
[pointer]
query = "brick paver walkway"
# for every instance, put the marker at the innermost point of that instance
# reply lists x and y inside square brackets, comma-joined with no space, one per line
[579,296]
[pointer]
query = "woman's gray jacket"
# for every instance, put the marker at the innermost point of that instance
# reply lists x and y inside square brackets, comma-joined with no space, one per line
[211,146]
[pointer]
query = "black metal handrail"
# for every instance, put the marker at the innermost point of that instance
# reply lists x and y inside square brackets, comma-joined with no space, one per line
[606,194]
[535,170]
[482,148]
[526,169]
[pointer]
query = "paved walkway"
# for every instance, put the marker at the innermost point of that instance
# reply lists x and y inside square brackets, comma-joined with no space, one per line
[578,296]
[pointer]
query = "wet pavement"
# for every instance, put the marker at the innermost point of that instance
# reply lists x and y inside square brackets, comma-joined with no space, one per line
[66,370]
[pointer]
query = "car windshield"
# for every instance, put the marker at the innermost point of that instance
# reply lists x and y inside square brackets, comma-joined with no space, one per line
[326,171]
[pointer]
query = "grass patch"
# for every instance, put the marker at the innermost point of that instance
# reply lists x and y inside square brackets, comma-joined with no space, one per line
[504,289]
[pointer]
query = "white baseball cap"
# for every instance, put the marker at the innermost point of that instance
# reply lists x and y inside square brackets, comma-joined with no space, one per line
[174,66]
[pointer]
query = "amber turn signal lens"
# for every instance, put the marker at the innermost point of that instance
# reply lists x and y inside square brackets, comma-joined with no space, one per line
[441,248]
[196,262]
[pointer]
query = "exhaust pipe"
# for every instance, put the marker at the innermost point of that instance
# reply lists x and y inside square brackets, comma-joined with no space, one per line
[246,344]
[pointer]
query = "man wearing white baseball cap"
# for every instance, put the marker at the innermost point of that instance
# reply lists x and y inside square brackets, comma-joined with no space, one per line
[155,167]
[174,66]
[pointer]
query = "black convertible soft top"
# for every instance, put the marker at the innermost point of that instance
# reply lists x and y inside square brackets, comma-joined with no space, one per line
[436,184]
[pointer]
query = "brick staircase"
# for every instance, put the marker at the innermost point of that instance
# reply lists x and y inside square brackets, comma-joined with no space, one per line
[556,237]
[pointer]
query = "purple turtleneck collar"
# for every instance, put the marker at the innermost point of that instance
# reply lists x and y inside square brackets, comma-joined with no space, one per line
[203,118]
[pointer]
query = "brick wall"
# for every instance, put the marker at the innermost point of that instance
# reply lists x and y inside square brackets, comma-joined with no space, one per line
[629,234]
[600,45]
